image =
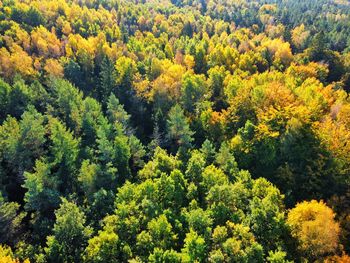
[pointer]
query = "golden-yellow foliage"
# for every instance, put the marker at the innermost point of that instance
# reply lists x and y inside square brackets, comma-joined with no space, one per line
[6,256]
[313,225]
[54,68]
[300,35]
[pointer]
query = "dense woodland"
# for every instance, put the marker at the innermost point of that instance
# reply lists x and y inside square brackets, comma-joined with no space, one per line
[174,131]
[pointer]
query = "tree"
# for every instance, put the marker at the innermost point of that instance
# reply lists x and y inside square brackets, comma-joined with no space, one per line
[195,167]
[107,79]
[33,17]
[125,70]
[193,89]
[103,247]
[194,248]
[179,132]
[67,101]
[278,256]
[70,235]
[22,143]
[53,68]
[159,235]
[208,151]
[10,221]
[300,36]
[215,81]
[235,243]
[160,163]
[116,112]
[91,117]
[226,160]
[266,217]
[5,90]
[32,138]
[6,255]
[313,226]
[64,151]
[199,222]
[42,189]
[19,99]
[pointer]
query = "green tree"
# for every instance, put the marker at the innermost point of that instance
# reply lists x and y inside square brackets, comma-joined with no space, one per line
[42,189]
[195,248]
[107,79]
[179,132]
[125,69]
[64,151]
[216,84]
[116,112]
[226,160]
[5,91]
[10,221]
[105,247]
[235,243]
[70,235]
[193,90]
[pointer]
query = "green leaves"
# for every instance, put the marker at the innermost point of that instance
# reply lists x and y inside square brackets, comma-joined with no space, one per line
[179,131]
[10,221]
[43,189]
[70,235]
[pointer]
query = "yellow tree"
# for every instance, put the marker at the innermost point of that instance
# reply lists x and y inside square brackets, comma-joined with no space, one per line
[300,36]
[312,224]
[6,256]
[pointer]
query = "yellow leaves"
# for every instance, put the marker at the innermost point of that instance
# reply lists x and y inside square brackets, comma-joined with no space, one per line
[6,256]
[45,43]
[279,50]
[277,95]
[66,28]
[268,8]
[299,36]
[189,62]
[7,10]
[78,45]
[169,82]
[343,114]
[310,70]
[5,64]
[53,67]
[312,94]
[246,62]
[337,137]
[21,61]
[142,87]
[334,132]
[313,225]
[264,131]
[18,61]
[275,31]
[18,35]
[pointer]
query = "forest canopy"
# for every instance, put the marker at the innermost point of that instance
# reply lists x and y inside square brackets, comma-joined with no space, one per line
[174,131]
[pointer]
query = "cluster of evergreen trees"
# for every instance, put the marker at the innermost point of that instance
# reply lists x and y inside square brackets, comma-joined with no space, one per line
[174,131]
